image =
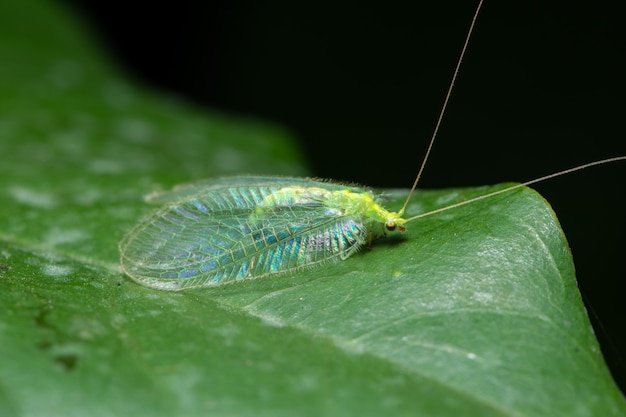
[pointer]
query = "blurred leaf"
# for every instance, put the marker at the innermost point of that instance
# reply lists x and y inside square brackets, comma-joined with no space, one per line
[473,311]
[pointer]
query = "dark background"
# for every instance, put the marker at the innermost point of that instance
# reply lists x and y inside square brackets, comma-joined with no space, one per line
[361,84]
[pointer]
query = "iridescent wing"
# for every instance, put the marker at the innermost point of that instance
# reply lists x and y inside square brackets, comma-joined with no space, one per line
[211,234]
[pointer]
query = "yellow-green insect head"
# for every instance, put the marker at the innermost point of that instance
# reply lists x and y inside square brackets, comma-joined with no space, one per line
[391,220]
[395,222]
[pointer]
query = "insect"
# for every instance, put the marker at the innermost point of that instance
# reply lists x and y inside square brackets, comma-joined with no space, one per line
[231,229]
[247,227]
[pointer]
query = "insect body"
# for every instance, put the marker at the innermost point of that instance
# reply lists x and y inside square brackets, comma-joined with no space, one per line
[236,228]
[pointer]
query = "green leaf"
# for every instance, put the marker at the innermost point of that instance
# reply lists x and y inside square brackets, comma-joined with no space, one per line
[474,311]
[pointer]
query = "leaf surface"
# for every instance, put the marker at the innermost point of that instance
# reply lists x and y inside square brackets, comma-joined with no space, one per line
[473,311]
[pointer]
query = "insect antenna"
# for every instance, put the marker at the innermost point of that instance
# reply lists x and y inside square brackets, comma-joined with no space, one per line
[443,108]
[523,184]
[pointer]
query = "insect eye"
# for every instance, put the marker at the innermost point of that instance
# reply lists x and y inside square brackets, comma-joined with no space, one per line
[391,226]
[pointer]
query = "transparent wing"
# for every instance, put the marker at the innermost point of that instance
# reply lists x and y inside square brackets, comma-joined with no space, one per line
[217,237]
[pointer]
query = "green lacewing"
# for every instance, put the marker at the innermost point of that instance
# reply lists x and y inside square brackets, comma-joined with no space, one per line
[235,228]
[226,230]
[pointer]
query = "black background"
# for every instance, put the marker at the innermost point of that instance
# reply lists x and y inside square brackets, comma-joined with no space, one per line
[361,84]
